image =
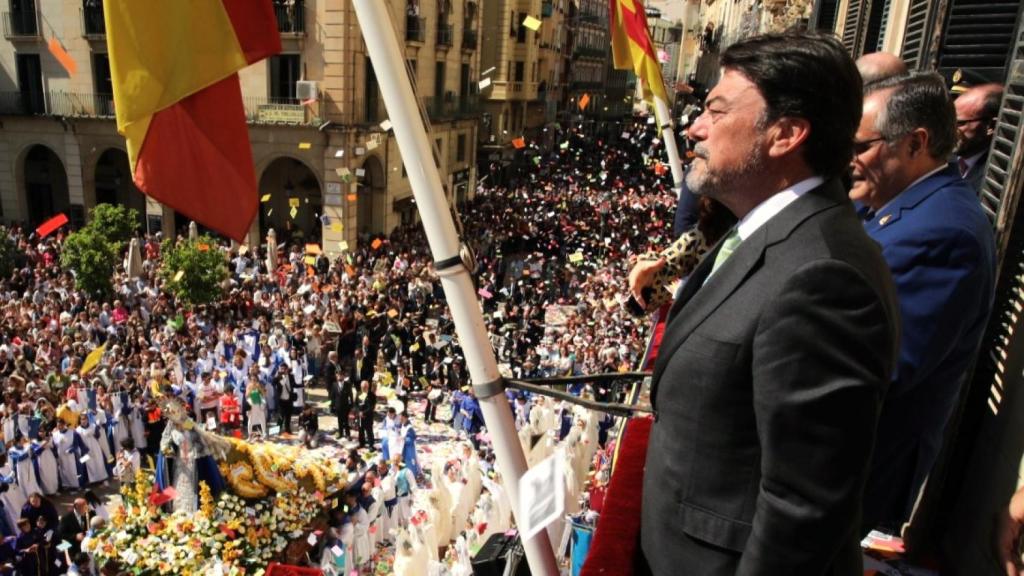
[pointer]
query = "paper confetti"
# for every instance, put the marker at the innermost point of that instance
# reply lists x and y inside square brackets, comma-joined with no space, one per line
[385,125]
[339,153]
[293,202]
[371,145]
[485,83]
[351,197]
[269,212]
[62,56]
[305,145]
[265,198]
[179,276]
[531,23]
[313,249]
[360,151]
[337,227]
[584,100]
[343,245]
[293,212]
[360,172]
[576,257]
[376,243]
[310,260]
[519,143]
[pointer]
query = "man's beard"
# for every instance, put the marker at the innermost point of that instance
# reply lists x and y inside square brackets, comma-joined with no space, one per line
[967,148]
[716,184]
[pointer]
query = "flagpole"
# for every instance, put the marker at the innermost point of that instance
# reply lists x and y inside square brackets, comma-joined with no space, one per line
[413,143]
[664,120]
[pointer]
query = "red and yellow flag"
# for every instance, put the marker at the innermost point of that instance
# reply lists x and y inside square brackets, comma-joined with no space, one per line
[178,101]
[632,48]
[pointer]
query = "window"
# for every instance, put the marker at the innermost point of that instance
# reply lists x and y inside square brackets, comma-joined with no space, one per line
[464,81]
[520,71]
[30,83]
[439,81]
[103,85]
[460,150]
[284,73]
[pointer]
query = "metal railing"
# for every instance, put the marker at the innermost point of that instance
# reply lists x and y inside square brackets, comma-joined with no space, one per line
[469,39]
[590,51]
[444,35]
[291,16]
[456,107]
[57,103]
[93,24]
[21,24]
[259,110]
[368,111]
[415,28]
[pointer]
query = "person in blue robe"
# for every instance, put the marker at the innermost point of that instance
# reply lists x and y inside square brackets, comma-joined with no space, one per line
[409,444]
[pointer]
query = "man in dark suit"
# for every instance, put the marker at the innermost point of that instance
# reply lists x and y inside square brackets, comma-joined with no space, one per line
[74,525]
[362,368]
[331,370]
[777,353]
[342,398]
[940,248]
[367,406]
[976,112]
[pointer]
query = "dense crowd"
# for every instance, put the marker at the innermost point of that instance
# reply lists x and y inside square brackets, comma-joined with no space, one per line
[553,248]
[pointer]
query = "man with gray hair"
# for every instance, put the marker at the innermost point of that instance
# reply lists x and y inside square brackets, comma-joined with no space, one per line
[878,66]
[940,249]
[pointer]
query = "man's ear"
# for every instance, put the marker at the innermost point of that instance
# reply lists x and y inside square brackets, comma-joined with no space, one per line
[787,134]
[918,141]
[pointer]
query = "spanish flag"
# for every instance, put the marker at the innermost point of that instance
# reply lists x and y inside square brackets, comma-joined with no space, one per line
[632,48]
[174,65]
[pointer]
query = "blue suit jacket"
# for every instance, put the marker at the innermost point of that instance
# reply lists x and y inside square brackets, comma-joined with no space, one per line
[941,251]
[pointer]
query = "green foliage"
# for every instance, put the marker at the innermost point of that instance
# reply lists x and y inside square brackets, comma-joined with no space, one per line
[116,224]
[193,270]
[10,254]
[92,258]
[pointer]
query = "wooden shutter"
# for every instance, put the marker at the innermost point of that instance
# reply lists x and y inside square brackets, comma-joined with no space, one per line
[854,27]
[979,35]
[917,34]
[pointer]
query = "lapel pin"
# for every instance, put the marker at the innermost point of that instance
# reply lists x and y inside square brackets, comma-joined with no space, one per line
[884,219]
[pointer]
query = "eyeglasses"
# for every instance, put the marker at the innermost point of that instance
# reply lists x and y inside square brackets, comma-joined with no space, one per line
[967,121]
[864,145]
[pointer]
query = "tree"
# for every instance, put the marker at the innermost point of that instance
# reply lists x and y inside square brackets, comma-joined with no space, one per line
[92,259]
[116,224]
[194,271]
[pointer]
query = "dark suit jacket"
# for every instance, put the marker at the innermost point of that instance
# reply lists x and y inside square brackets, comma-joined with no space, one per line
[341,396]
[70,527]
[975,177]
[940,248]
[767,388]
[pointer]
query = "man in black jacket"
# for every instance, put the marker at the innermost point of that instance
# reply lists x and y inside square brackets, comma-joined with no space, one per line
[342,399]
[74,525]
[367,405]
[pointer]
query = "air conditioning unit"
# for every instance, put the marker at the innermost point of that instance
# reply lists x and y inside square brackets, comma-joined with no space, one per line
[306,90]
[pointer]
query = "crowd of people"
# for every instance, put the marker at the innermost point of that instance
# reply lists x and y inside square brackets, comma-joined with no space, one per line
[370,326]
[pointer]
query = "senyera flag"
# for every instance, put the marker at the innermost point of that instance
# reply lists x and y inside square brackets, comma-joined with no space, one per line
[632,48]
[178,101]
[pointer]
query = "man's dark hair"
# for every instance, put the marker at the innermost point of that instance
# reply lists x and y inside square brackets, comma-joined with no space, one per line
[918,100]
[805,75]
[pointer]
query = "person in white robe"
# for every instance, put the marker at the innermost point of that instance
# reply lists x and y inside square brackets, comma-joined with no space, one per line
[441,506]
[13,498]
[49,476]
[95,467]
[407,561]
[119,417]
[137,424]
[361,551]
[21,457]
[346,539]
[68,453]
[104,441]
[389,503]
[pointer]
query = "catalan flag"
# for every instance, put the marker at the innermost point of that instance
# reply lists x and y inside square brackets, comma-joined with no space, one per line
[632,48]
[178,101]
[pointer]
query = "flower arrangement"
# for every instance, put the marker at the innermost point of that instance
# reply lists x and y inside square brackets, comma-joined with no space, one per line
[232,535]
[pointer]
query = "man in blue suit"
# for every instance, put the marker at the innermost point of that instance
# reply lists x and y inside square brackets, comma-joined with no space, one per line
[940,249]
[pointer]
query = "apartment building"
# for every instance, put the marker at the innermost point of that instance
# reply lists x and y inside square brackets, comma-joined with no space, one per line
[314,114]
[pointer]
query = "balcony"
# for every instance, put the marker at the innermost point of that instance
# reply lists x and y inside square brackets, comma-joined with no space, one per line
[21,24]
[415,29]
[444,35]
[456,107]
[93,25]
[280,111]
[57,103]
[468,39]
[589,52]
[291,18]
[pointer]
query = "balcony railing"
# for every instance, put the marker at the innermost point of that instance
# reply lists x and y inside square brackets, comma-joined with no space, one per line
[291,17]
[93,25]
[453,107]
[280,111]
[444,35]
[590,51]
[415,28]
[21,24]
[468,39]
[57,103]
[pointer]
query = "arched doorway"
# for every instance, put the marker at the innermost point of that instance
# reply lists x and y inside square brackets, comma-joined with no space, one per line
[294,202]
[114,185]
[46,185]
[371,198]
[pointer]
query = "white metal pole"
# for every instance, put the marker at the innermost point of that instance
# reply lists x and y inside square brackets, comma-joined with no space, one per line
[404,113]
[664,120]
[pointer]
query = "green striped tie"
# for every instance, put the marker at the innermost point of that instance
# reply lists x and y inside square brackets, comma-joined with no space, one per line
[728,247]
